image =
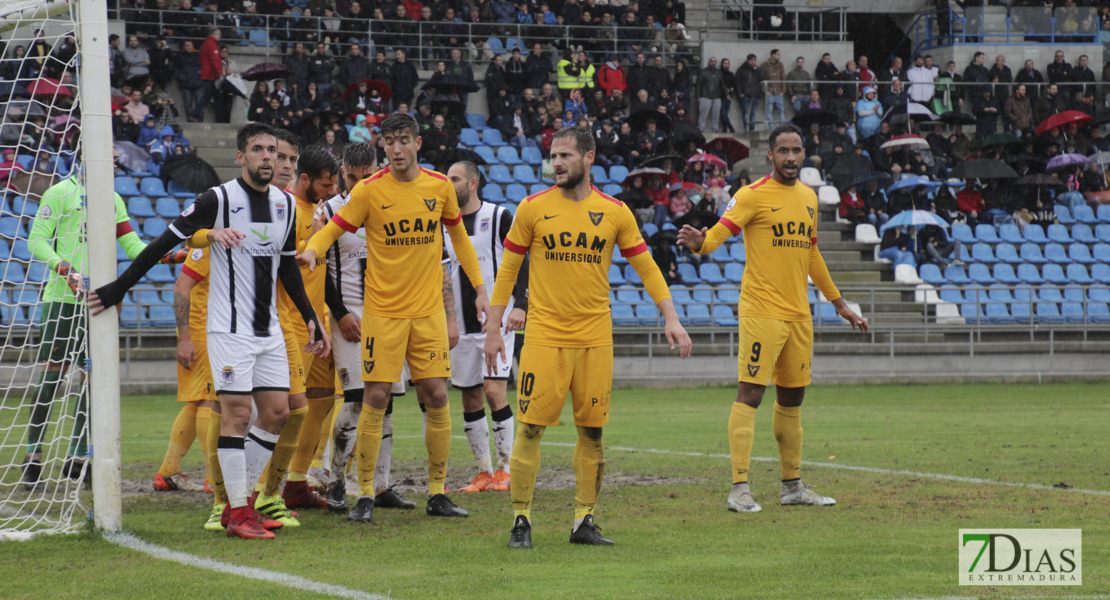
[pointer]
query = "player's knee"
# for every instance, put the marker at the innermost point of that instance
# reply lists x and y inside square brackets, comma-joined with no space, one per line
[472,399]
[750,394]
[592,434]
[531,432]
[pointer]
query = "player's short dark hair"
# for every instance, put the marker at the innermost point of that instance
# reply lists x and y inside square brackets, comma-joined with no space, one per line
[316,162]
[781,129]
[360,155]
[251,130]
[284,135]
[471,169]
[583,138]
[400,122]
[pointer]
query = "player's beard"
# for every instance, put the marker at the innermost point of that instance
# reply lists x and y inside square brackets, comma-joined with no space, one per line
[258,178]
[574,177]
[464,197]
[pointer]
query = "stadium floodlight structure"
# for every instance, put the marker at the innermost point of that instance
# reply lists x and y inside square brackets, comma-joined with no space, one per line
[57,505]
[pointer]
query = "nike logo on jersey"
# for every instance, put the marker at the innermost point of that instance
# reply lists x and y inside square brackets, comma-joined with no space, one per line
[779,208]
[237,209]
[545,217]
[384,207]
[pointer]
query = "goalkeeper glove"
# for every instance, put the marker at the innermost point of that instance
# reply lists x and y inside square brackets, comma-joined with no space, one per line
[175,257]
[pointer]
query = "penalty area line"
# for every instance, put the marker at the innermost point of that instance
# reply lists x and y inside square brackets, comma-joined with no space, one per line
[132,542]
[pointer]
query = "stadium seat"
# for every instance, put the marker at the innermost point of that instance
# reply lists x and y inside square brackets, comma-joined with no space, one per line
[1056,253]
[487,154]
[5,251]
[1098,312]
[500,174]
[720,255]
[628,295]
[1006,253]
[531,155]
[866,234]
[492,137]
[1082,233]
[702,294]
[647,314]
[1102,232]
[1004,273]
[1084,214]
[1072,312]
[999,293]
[492,193]
[734,272]
[515,42]
[179,191]
[723,316]
[1034,233]
[1103,213]
[738,252]
[971,312]
[615,275]
[1077,273]
[153,227]
[609,189]
[951,293]
[257,36]
[12,227]
[980,273]
[37,272]
[688,273]
[1063,214]
[495,45]
[121,266]
[152,186]
[20,251]
[1031,253]
[1098,294]
[811,295]
[619,259]
[963,233]
[1024,293]
[617,173]
[811,177]
[650,229]
[680,294]
[1048,312]
[12,272]
[1101,253]
[955,274]
[507,155]
[168,208]
[537,188]
[476,120]
[698,314]
[1029,274]
[984,232]
[1021,311]
[997,312]
[982,253]
[1058,234]
[976,292]
[710,273]
[524,174]
[1054,273]
[826,314]
[515,192]
[125,186]
[631,276]
[160,274]
[828,196]
[930,273]
[728,295]
[598,176]
[1074,293]
[139,206]
[1010,233]
[509,206]
[469,137]
[623,314]
[1050,294]
[1080,253]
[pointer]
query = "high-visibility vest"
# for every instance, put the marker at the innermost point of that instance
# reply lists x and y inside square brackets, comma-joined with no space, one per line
[564,81]
[586,79]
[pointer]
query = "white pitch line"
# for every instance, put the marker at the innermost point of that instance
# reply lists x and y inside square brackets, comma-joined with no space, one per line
[132,542]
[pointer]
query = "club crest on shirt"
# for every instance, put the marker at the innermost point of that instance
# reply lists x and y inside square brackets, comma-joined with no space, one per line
[484,226]
[524,406]
[344,377]
[188,210]
[227,375]
[197,254]
[595,217]
[810,209]
[45,212]
[430,203]
[731,203]
[279,208]
[368,366]
[753,370]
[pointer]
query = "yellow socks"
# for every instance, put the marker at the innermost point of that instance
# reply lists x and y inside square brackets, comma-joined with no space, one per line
[741,433]
[438,441]
[326,429]
[523,468]
[368,444]
[283,453]
[318,411]
[215,474]
[787,425]
[181,437]
[589,467]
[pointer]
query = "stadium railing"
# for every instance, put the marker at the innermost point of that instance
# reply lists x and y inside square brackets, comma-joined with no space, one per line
[1020,25]
[800,22]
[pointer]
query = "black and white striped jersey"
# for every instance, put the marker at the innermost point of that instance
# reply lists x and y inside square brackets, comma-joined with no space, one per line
[347,259]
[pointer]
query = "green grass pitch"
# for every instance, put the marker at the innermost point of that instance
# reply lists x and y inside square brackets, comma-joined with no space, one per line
[891,535]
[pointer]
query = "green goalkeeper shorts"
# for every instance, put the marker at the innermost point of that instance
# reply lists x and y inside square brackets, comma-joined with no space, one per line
[63,333]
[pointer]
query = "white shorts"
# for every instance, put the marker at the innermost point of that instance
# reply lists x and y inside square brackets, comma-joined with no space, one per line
[348,359]
[468,360]
[242,363]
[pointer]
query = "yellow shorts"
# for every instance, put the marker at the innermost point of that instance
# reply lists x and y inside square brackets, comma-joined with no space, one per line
[388,342]
[319,372]
[294,350]
[196,383]
[547,374]
[775,351]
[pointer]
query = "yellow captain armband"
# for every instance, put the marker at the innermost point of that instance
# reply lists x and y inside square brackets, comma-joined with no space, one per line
[199,239]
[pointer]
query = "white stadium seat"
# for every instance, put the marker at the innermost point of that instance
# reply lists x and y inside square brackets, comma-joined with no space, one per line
[926,294]
[906,274]
[948,313]
[879,259]
[866,234]
[828,195]
[811,177]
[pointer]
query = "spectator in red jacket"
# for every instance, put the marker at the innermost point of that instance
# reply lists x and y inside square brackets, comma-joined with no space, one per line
[970,202]
[211,68]
[611,77]
[413,8]
[852,206]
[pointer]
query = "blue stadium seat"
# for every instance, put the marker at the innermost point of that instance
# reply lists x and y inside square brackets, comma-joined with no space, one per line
[650,229]
[615,275]
[949,293]
[996,312]
[1072,311]
[1010,233]
[515,192]
[1098,312]
[1101,253]
[476,120]
[515,42]
[680,294]
[1021,311]
[469,137]
[37,272]
[1074,293]
[720,255]
[971,312]
[1034,233]
[121,254]
[976,292]
[531,155]
[492,137]
[20,251]
[955,274]
[179,191]
[985,233]
[5,251]
[930,273]
[1082,233]
[982,253]
[1103,213]
[826,314]
[507,155]
[125,186]
[25,296]
[1056,253]
[963,233]
[598,176]
[427,166]
[611,189]
[1098,294]
[12,227]
[623,314]
[728,295]
[1100,272]
[1029,274]
[1007,253]
[698,314]
[1102,232]
[1004,273]
[1077,273]
[738,252]
[24,207]
[500,174]
[1063,214]
[1084,214]
[617,173]
[1059,234]
[1049,312]
[1031,253]
[152,186]
[1024,293]
[710,273]
[647,314]
[628,295]
[631,276]
[524,174]
[998,292]
[702,294]
[1080,253]
[537,188]
[140,206]
[148,297]
[160,274]
[980,273]
[492,192]
[487,154]
[1050,294]
[1054,273]
[734,272]
[689,273]
[153,227]
[495,45]
[723,316]
[257,36]
[121,266]
[811,294]
[168,208]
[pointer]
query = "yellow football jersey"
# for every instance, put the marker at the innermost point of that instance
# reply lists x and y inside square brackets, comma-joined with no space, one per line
[570,246]
[197,266]
[313,281]
[780,234]
[404,275]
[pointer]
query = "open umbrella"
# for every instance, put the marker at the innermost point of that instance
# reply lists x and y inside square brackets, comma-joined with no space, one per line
[11,88]
[997,139]
[383,89]
[440,100]
[908,141]
[657,161]
[639,119]
[860,178]
[1029,159]
[911,181]
[706,158]
[984,169]
[914,218]
[236,85]
[819,116]
[913,109]
[1101,158]
[45,86]
[1065,118]
[191,172]
[1067,160]
[1040,179]
[266,71]
[685,132]
[733,149]
[32,184]
[132,156]
[445,83]
[957,118]
[645,172]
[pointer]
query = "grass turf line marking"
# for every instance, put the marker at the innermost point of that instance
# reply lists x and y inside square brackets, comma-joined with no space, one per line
[133,542]
[877,470]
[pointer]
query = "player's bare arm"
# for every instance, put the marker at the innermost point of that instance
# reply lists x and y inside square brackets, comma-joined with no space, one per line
[226,238]
[482,303]
[673,330]
[495,344]
[846,313]
[186,350]
[307,259]
[691,238]
[516,320]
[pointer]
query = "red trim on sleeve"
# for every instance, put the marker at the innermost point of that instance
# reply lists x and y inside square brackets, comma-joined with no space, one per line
[731,226]
[191,273]
[123,229]
[345,225]
[633,251]
[765,179]
[452,222]
[509,245]
[813,241]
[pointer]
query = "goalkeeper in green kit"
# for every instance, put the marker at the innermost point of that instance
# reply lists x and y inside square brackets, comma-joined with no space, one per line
[58,239]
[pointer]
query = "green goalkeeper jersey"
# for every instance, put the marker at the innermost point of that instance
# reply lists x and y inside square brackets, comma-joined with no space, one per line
[57,234]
